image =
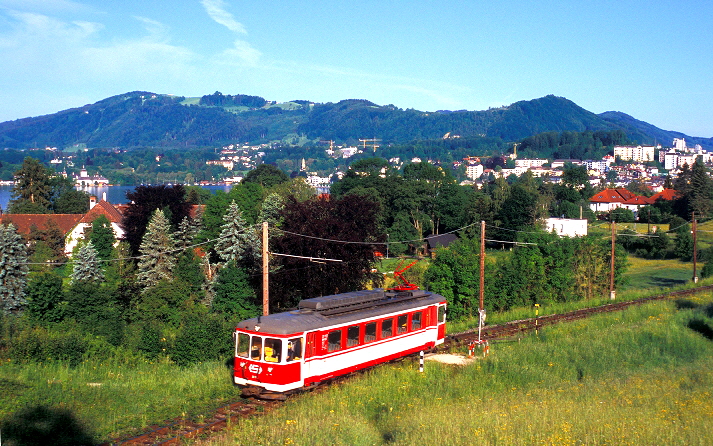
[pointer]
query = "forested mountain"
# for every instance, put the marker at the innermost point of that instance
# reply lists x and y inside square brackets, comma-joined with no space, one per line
[144,119]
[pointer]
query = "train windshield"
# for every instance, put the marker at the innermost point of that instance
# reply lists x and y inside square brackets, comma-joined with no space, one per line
[259,348]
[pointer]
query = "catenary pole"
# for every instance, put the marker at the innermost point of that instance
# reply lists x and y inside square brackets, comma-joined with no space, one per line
[265,276]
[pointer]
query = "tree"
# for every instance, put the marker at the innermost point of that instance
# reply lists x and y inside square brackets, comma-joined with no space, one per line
[145,200]
[694,191]
[455,274]
[157,259]
[238,242]
[234,295]
[65,198]
[266,175]
[86,265]
[44,297]
[13,269]
[32,190]
[102,237]
[340,229]
[270,211]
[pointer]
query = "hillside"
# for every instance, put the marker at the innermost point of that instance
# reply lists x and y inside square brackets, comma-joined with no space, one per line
[144,119]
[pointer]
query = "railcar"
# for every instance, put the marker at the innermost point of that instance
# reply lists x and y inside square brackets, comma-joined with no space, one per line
[334,335]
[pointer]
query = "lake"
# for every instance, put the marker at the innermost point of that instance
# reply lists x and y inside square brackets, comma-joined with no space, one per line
[114,194]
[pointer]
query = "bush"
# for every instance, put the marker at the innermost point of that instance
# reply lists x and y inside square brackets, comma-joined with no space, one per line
[202,339]
[64,342]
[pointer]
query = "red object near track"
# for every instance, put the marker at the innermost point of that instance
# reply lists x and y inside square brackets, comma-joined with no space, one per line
[334,335]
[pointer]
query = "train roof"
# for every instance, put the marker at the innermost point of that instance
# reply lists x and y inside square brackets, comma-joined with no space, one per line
[339,309]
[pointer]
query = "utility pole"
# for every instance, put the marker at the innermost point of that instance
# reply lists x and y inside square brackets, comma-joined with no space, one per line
[481,308]
[265,276]
[695,247]
[612,291]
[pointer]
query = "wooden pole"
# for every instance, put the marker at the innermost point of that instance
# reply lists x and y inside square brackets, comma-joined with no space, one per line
[695,247]
[481,306]
[482,264]
[612,291]
[265,270]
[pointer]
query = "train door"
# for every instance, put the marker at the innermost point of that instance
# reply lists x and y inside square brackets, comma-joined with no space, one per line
[310,353]
[441,321]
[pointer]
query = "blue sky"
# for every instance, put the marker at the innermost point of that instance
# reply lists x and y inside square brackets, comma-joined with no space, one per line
[651,59]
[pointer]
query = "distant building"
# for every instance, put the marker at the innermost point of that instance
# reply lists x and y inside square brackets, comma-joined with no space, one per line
[567,227]
[635,153]
[84,179]
[474,171]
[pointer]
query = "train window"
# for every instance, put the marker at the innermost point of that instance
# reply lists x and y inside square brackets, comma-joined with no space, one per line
[243,346]
[387,328]
[370,333]
[441,314]
[334,340]
[273,350]
[294,349]
[402,320]
[256,348]
[353,336]
[416,321]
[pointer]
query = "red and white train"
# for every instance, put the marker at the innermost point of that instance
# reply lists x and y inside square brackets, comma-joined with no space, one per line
[334,335]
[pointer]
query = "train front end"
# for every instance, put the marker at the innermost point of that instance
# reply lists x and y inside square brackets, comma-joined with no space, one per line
[267,361]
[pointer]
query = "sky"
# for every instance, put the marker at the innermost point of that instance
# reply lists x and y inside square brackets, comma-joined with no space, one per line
[651,59]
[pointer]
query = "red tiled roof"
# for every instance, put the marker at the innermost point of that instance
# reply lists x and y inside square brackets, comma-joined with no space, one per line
[24,222]
[637,200]
[102,208]
[666,194]
[609,196]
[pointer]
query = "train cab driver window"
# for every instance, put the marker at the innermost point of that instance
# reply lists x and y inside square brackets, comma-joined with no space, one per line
[243,345]
[294,349]
[256,348]
[273,349]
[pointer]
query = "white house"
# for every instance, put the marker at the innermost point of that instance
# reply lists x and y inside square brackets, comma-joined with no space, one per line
[568,227]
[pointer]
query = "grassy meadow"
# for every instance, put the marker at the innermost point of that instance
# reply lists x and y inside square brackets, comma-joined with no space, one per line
[113,398]
[635,377]
[641,376]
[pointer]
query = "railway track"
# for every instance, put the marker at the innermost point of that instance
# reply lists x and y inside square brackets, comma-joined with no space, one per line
[179,430]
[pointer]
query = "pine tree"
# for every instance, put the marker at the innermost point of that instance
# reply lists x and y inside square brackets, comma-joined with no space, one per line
[238,243]
[86,265]
[187,231]
[157,259]
[13,269]
[272,206]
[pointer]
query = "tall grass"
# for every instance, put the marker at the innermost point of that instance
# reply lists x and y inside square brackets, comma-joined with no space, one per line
[113,398]
[636,377]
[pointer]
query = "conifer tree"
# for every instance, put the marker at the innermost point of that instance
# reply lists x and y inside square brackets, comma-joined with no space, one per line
[238,242]
[272,206]
[157,259]
[13,269]
[187,231]
[86,265]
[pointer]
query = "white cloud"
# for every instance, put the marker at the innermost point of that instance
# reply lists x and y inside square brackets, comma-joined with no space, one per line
[216,11]
[242,53]
[154,28]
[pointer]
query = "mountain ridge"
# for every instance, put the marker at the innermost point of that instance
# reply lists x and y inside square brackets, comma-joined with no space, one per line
[146,119]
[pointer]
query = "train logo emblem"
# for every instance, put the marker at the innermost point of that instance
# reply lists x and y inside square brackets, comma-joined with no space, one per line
[254,368]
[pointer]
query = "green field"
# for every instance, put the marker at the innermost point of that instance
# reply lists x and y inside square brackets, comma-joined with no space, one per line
[636,377]
[524,392]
